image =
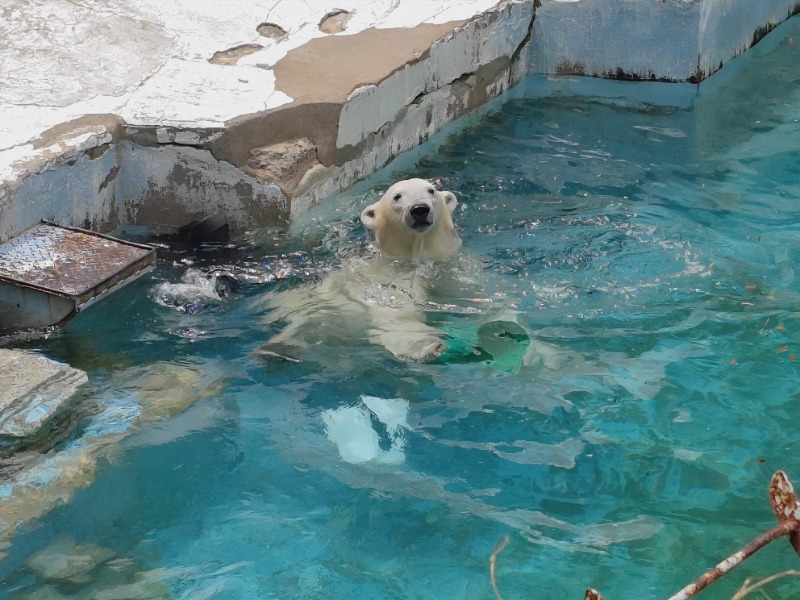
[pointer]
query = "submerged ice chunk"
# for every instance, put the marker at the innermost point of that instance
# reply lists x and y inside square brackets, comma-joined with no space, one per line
[392,413]
[350,429]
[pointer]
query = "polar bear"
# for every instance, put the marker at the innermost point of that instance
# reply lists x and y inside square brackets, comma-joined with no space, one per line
[386,292]
[413,220]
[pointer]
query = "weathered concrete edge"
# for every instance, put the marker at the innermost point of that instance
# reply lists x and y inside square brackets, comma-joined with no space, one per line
[686,40]
[166,176]
[461,72]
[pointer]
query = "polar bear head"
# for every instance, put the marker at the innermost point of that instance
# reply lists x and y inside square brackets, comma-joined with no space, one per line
[413,220]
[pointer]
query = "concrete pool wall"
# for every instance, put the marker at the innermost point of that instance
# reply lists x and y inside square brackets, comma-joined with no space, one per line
[158,115]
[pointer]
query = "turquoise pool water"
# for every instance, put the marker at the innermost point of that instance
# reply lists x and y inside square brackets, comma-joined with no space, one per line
[652,252]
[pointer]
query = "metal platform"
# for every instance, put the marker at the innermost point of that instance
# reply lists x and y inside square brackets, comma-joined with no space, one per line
[51,272]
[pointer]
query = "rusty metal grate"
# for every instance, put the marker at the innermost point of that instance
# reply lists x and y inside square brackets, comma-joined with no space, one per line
[66,261]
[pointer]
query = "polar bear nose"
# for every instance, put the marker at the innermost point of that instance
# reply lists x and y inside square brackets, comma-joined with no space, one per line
[420,212]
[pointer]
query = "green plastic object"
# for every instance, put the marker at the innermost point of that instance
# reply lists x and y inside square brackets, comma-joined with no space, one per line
[501,344]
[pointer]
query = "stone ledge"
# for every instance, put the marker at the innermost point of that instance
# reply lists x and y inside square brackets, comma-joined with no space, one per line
[36,394]
[164,134]
[205,86]
[670,40]
[36,482]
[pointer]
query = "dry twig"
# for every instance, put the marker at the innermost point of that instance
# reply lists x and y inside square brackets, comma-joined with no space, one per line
[748,587]
[498,548]
[763,327]
[786,506]
[734,560]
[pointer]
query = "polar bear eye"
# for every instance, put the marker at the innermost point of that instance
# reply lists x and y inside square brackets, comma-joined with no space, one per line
[431,191]
[397,197]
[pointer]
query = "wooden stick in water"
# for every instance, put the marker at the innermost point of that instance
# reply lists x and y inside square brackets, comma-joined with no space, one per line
[785,505]
[498,548]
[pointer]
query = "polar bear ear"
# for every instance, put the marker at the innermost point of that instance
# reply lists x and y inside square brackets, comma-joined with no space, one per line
[368,216]
[449,200]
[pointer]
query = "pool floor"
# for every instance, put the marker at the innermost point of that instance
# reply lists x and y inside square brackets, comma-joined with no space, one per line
[652,252]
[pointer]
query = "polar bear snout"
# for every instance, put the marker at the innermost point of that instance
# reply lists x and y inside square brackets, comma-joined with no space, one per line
[419,216]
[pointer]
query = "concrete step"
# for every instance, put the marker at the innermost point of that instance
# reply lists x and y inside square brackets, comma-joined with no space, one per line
[50,273]
[36,394]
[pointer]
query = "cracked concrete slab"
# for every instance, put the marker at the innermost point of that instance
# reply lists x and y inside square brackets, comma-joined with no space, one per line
[223,79]
[199,95]
[47,45]
[36,392]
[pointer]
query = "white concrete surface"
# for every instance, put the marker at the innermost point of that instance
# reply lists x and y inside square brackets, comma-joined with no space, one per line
[200,95]
[146,65]
[61,59]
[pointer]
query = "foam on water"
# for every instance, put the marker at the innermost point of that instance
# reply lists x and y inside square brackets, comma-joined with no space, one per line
[651,251]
